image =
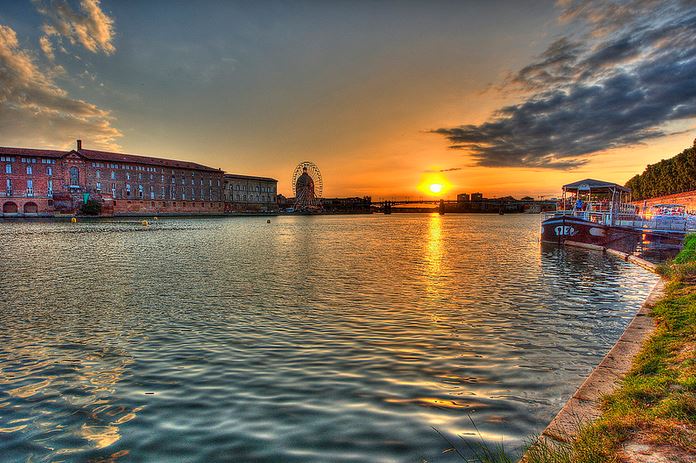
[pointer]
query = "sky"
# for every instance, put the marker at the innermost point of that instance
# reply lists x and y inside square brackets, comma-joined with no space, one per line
[504,98]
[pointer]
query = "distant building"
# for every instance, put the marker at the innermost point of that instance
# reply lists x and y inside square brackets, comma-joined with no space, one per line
[355,205]
[46,182]
[249,193]
[463,198]
[476,196]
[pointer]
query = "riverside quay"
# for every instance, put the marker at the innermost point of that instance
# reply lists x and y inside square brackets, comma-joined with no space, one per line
[47,183]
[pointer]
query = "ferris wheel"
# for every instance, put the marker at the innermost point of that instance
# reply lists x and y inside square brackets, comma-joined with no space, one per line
[307,185]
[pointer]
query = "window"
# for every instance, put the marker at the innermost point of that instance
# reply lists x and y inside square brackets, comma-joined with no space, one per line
[127,175]
[8,187]
[49,193]
[162,193]
[49,171]
[140,191]
[30,188]
[97,174]
[30,170]
[8,168]
[98,186]
[113,175]
[113,190]
[128,190]
[74,176]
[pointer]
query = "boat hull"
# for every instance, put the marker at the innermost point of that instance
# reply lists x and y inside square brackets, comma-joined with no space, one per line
[568,228]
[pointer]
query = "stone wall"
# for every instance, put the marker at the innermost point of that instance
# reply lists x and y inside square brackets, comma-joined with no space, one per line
[687,198]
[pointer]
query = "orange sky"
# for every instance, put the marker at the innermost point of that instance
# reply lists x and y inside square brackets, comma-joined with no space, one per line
[355,88]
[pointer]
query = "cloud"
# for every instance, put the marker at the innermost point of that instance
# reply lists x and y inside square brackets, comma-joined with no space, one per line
[47,47]
[33,107]
[626,72]
[89,27]
[451,169]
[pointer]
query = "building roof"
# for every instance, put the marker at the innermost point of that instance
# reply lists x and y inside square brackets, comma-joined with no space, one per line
[596,185]
[6,151]
[138,159]
[105,156]
[250,177]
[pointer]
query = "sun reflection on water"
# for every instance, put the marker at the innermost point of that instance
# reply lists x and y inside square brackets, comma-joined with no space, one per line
[434,251]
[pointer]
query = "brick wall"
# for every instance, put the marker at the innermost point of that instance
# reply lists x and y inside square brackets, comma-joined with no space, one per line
[125,207]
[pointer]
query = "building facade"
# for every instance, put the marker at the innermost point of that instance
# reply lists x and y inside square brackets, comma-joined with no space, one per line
[48,182]
[247,193]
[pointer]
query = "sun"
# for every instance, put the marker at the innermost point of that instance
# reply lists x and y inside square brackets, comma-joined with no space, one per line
[435,188]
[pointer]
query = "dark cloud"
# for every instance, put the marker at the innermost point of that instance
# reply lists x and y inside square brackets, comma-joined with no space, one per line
[451,169]
[628,70]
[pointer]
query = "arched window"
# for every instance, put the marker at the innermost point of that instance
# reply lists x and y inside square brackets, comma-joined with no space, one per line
[74,176]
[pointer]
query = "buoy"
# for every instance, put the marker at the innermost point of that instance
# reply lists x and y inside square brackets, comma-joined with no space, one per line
[73,220]
[268,221]
[156,218]
[145,223]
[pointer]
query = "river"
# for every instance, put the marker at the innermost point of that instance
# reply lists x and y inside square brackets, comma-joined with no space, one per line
[309,339]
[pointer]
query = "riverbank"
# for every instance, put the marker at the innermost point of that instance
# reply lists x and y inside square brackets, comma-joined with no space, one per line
[651,415]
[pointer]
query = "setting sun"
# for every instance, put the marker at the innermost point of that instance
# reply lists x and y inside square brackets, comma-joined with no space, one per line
[435,187]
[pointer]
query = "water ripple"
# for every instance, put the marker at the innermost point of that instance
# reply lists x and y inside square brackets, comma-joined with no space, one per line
[310,339]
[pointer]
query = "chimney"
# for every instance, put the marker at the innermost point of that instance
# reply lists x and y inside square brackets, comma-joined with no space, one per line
[79,145]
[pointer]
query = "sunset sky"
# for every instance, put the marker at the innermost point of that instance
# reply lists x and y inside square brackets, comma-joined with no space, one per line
[513,97]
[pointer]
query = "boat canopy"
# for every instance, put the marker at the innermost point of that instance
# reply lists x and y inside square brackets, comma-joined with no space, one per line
[595,186]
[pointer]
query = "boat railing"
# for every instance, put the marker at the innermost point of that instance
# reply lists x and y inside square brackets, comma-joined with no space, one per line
[592,216]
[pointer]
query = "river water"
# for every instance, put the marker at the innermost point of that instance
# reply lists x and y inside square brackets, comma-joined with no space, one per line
[327,338]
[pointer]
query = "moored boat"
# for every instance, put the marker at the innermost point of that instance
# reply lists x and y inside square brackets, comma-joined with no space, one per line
[600,213]
[592,212]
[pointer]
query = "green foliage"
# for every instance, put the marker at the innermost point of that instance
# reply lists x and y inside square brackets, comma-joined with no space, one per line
[669,176]
[91,207]
[688,252]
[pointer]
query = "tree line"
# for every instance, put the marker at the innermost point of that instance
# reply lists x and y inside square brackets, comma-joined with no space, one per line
[669,176]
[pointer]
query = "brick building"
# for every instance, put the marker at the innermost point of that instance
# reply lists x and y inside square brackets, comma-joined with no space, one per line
[47,182]
[249,193]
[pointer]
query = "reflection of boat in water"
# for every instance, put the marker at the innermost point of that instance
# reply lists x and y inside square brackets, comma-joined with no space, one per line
[599,213]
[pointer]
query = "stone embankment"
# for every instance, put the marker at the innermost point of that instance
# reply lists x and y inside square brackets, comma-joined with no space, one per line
[688,199]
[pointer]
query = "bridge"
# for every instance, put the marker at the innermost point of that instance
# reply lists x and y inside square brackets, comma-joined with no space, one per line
[486,205]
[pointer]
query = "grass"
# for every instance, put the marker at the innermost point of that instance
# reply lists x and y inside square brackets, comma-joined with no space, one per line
[656,402]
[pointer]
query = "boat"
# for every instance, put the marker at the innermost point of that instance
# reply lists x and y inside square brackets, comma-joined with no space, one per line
[592,212]
[601,213]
